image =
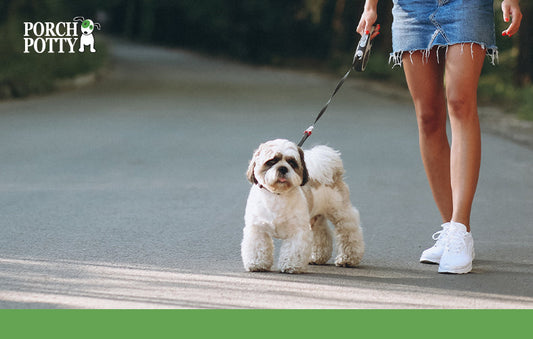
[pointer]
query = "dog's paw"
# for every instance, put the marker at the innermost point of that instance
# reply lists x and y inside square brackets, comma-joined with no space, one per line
[257,268]
[345,261]
[292,270]
[318,261]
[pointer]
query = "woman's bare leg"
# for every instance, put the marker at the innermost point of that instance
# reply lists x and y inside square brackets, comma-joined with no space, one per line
[463,68]
[425,78]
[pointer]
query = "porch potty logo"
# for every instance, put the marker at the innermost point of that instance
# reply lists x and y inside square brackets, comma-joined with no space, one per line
[60,37]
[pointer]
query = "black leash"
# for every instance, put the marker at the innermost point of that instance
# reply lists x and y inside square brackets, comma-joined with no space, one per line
[360,59]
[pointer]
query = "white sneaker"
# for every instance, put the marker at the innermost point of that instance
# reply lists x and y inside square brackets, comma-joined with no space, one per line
[458,251]
[433,254]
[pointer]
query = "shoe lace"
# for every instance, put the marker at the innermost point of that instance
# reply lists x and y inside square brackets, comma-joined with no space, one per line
[439,236]
[456,242]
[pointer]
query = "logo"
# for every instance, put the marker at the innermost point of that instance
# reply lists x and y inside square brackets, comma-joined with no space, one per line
[60,37]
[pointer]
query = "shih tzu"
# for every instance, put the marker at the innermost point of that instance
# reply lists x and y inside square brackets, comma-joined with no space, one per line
[293,196]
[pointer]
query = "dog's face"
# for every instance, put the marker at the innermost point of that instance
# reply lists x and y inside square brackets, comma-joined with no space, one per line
[278,165]
[87,27]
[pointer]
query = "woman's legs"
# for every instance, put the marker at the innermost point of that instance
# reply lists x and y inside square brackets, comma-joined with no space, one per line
[425,78]
[452,174]
[463,68]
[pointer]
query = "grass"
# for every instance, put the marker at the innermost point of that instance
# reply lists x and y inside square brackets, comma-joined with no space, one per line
[23,74]
[497,87]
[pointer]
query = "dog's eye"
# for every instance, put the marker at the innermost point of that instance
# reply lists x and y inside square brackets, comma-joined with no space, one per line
[293,163]
[271,162]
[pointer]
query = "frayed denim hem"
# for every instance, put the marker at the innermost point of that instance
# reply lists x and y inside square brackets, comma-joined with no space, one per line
[396,57]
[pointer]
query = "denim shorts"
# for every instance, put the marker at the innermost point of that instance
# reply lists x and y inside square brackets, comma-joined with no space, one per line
[420,25]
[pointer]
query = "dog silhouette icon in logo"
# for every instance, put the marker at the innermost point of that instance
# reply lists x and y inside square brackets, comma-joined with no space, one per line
[87,28]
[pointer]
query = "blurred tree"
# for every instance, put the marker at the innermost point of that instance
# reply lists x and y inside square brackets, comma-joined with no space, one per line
[524,69]
[129,27]
[337,28]
[147,20]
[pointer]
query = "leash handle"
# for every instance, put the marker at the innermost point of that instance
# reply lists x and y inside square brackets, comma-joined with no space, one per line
[362,53]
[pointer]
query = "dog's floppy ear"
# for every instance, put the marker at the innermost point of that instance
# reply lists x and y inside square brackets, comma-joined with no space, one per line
[251,167]
[305,173]
[250,173]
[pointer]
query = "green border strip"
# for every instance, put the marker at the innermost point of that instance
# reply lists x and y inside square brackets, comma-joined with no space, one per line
[264,323]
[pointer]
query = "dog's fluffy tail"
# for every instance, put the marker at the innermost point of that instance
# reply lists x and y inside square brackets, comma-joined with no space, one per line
[324,164]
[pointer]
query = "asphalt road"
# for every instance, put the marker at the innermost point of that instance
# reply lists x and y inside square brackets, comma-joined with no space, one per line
[130,193]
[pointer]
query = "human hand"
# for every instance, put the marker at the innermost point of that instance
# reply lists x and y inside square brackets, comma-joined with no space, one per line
[512,9]
[368,19]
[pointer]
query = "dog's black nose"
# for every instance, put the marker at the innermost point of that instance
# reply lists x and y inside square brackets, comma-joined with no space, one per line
[283,170]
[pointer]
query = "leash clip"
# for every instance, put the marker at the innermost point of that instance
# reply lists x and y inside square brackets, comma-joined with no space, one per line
[307,134]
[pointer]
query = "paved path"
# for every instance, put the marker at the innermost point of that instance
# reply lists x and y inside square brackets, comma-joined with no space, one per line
[130,193]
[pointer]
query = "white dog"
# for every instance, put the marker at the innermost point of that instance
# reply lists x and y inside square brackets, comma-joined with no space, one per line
[87,28]
[291,199]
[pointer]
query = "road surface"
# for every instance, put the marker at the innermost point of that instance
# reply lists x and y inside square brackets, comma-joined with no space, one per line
[130,193]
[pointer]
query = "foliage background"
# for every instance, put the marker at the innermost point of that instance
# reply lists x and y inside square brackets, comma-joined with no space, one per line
[316,34]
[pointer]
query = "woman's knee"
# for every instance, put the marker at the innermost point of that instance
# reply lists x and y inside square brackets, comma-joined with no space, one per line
[462,107]
[431,119]
[462,77]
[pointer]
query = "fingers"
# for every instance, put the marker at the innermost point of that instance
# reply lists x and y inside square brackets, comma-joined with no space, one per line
[362,30]
[365,28]
[376,32]
[511,11]
[368,27]
[367,20]
[361,27]
[506,11]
